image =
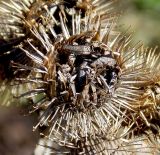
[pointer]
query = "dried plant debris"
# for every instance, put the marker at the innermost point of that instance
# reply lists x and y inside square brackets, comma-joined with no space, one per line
[95,91]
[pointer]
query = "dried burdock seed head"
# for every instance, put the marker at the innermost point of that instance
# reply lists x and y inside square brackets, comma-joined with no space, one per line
[75,89]
[86,81]
[147,111]
[147,116]
[91,86]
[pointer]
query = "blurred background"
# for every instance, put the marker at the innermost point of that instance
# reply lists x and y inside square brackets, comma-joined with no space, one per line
[16,136]
[144,18]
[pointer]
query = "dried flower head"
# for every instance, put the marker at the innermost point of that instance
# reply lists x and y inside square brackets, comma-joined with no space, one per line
[94,90]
